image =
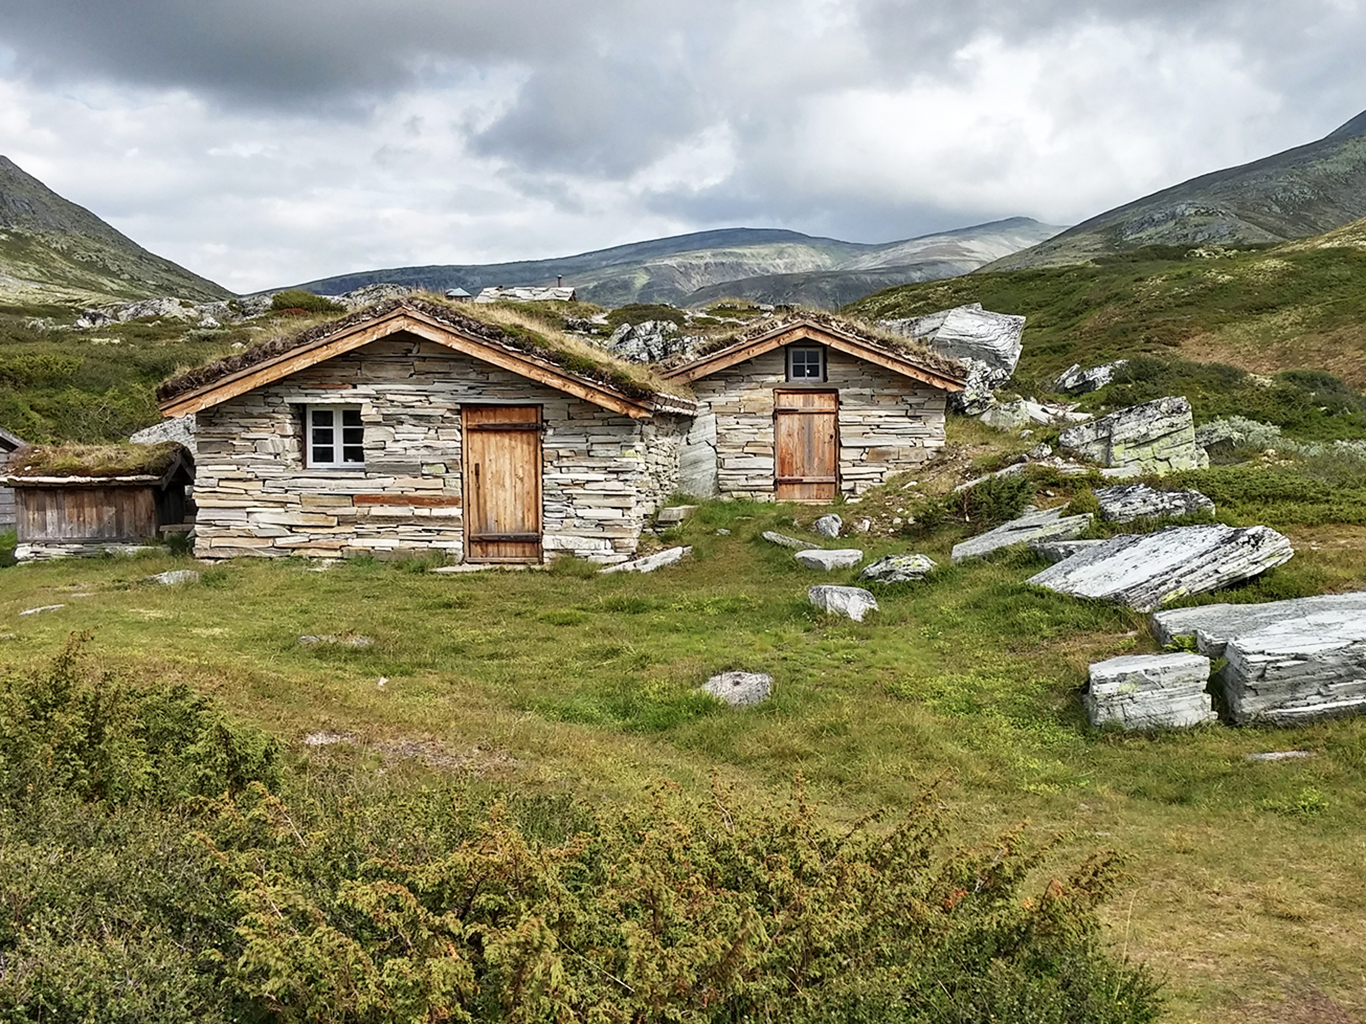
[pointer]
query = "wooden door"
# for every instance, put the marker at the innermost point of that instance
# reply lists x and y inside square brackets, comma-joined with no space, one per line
[502,483]
[806,445]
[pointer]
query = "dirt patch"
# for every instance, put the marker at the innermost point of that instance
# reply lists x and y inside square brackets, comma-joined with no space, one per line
[1341,352]
[1302,1005]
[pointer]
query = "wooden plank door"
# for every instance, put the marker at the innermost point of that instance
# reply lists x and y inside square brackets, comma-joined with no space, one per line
[806,445]
[502,446]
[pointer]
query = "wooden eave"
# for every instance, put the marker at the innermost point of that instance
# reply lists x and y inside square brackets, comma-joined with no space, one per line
[427,328]
[807,331]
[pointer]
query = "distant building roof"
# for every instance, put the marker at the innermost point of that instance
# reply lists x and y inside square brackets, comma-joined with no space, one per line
[457,293]
[528,294]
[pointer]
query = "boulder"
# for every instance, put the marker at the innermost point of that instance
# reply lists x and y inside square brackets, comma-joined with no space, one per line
[649,563]
[1212,626]
[1149,691]
[1309,668]
[652,341]
[828,526]
[1049,524]
[898,569]
[740,689]
[987,344]
[1148,571]
[179,429]
[1127,502]
[841,558]
[1054,551]
[784,541]
[1076,381]
[1156,437]
[1024,413]
[854,602]
[175,577]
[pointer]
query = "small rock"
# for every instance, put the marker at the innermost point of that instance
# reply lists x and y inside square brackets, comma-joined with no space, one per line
[327,739]
[1039,451]
[854,602]
[1076,381]
[674,514]
[174,577]
[1149,691]
[863,526]
[723,533]
[898,569]
[740,689]
[43,608]
[1279,755]
[1050,524]
[784,541]
[651,562]
[345,640]
[842,558]
[1127,502]
[828,526]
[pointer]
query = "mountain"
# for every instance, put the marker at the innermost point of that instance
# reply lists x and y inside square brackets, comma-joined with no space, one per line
[1303,191]
[765,264]
[52,250]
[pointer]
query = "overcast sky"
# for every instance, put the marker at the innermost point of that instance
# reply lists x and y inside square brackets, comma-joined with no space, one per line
[265,142]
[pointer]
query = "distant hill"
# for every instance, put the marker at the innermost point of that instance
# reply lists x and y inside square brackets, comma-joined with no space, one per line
[764,264]
[52,250]
[1298,306]
[1301,192]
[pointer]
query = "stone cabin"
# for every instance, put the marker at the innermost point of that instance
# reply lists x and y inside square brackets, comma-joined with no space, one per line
[810,407]
[410,427]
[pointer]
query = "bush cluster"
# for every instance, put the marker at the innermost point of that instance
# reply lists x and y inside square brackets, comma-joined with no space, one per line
[297,298]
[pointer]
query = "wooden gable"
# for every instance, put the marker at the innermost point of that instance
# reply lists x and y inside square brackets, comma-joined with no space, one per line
[412,321]
[821,334]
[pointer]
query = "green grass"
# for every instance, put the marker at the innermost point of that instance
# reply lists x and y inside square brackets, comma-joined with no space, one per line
[570,682]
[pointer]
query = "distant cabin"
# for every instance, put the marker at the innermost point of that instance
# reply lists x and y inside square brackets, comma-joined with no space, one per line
[85,500]
[9,444]
[501,294]
[458,295]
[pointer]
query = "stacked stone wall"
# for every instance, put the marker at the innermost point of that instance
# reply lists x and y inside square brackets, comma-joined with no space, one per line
[600,477]
[887,423]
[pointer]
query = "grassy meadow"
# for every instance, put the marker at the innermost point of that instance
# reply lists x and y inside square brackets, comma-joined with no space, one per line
[1244,881]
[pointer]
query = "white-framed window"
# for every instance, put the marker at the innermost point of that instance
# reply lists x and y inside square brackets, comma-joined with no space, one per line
[336,436]
[805,363]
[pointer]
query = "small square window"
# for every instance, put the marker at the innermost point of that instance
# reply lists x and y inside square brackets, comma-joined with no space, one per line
[806,364]
[336,437]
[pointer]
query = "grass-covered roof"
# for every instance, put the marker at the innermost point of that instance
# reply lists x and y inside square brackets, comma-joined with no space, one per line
[105,461]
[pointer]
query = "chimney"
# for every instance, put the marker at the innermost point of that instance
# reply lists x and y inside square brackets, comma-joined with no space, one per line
[559,280]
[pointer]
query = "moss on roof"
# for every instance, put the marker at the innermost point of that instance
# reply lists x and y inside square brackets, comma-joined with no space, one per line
[96,460]
[870,334]
[510,328]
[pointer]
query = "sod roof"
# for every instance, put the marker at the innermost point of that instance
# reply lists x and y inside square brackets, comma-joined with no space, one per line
[100,461]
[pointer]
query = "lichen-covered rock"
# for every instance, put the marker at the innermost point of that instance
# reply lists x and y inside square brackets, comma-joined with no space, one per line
[1149,691]
[1156,437]
[740,689]
[1127,502]
[829,525]
[1212,626]
[842,558]
[987,344]
[855,602]
[1050,524]
[1313,667]
[898,569]
[1145,572]
[652,341]
[1076,381]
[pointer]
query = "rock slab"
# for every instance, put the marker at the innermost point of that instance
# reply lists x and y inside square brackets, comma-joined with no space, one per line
[898,569]
[1076,381]
[1149,691]
[175,577]
[1311,668]
[987,344]
[854,602]
[1145,572]
[1054,551]
[1049,524]
[1126,502]
[784,541]
[841,558]
[651,562]
[1156,437]
[740,689]
[1212,626]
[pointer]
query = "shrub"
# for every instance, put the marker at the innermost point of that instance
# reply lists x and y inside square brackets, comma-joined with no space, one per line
[297,298]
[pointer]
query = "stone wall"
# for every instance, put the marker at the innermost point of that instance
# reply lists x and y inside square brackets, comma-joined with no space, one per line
[600,478]
[887,423]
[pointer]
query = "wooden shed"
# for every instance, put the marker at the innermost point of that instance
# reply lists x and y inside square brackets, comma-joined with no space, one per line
[9,444]
[84,500]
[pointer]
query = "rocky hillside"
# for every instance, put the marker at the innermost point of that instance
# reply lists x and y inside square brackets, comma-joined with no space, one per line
[1301,192]
[52,250]
[766,265]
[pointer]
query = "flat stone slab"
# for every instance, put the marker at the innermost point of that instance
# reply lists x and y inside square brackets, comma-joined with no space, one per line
[651,562]
[740,689]
[1145,572]
[1310,668]
[175,577]
[1212,626]
[854,602]
[840,558]
[674,514]
[1126,502]
[828,526]
[42,608]
[1150,691]
[898,569]
[784,541]
[1049,524]
[1054,551]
